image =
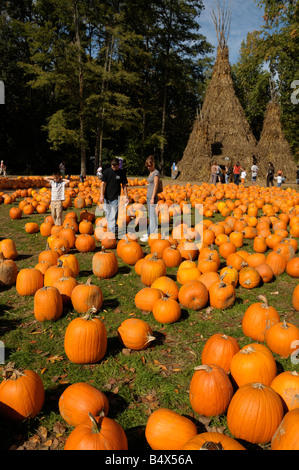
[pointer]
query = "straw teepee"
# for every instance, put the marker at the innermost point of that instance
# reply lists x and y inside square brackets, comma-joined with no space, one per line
[221,132]
[273,146]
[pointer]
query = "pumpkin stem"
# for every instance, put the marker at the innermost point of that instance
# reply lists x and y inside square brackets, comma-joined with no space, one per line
[89,314]
[210,445]
[10,373]
[264,300]
[205,367]
[88,282]
[96,426]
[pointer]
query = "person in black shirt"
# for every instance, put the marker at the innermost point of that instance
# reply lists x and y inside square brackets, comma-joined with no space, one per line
[270,175]
[297,175]
[113,179]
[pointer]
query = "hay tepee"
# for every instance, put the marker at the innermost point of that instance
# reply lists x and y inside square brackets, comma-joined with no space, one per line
[273,146]
[221,132]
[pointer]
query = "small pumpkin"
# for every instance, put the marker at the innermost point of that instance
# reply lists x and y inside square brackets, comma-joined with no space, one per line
[219,349]
[258,318]
[193,295]
[282,338]
[28,281]
[286,384]
[166,310]
[104,264]
[222,295]
[135,334]
[48,304]
[146,298]
[212,440]
[151,269]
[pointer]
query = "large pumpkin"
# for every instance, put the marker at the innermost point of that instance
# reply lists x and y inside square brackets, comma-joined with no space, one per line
[104,264]
[78,400]
[85,340]
[48,304]
[193,295]
[220,349]
[168,430]
[151,269]
[85,296]
[253,363]
[28,281]
[286,436]
[146,298]
[22,394]
[249,411]
[258,318]
[97,433]
[212,440]
[283,338]
[210,390]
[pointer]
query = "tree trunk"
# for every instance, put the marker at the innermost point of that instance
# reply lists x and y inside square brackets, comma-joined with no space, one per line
[81,89]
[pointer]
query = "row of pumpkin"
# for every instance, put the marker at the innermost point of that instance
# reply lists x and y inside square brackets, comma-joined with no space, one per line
[150,267]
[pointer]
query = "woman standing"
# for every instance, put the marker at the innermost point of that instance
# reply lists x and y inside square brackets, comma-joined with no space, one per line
[237,172]
[270,175]
[152,197]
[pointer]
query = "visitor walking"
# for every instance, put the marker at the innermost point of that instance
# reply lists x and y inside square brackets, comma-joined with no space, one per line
[227,174]
[58,185]
[62,169]
[2,168]
[113,180]
[237,172]
[254,172]
[297,175]
[214,168]
[152,196]
[270,175]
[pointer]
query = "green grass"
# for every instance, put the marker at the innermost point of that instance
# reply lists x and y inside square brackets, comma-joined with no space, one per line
[135,382]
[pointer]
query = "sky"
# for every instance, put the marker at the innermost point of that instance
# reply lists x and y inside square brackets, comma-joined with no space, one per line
[246,16]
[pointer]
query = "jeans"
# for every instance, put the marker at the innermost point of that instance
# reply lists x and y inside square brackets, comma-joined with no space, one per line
[236,178]
[226,178]
[111,213]
[153,217]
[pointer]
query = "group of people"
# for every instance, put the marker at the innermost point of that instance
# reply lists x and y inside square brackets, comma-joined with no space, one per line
[237,174]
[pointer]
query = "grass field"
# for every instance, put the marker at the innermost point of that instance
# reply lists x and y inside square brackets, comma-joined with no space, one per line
[135,382]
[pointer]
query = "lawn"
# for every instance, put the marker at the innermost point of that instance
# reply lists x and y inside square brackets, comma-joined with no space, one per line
[135,382]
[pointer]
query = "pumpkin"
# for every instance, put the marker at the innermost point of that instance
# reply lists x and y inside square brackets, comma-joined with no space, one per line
[48,304]
[168,430]
[266,272]
[68,233]
[72,262]
[86,296]
[85,340]
[286,384]
[292,267]
[85,243]
[209,278]
[104,264]
[212,440]
[65,285]
[31,227]
[277,262]
[193,295]
[28,281]
[49,256]
[8,271]
[258,318]
[222,295]
[166,310]
[131,252]
[159,245]
[54,273]
[249,411]
[283,338]
[151,269]
[146,298]
[135,334]
[249,278]
[8,249]
[210,390]
[286,437]
[230,275]
[253,363]
[22,394]
[295,298]
[188,274]
[97,433]
[219,349]
[171,256]
[78,400]
[167,285]
[15,213]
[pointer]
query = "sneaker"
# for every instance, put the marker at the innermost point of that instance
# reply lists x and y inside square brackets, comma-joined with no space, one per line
[144,238]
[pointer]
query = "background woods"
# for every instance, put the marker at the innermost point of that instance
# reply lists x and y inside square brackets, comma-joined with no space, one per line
[89,79]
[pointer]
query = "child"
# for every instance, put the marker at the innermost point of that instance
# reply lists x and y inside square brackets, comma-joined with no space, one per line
[243,176]
[279,179]
[57,195]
